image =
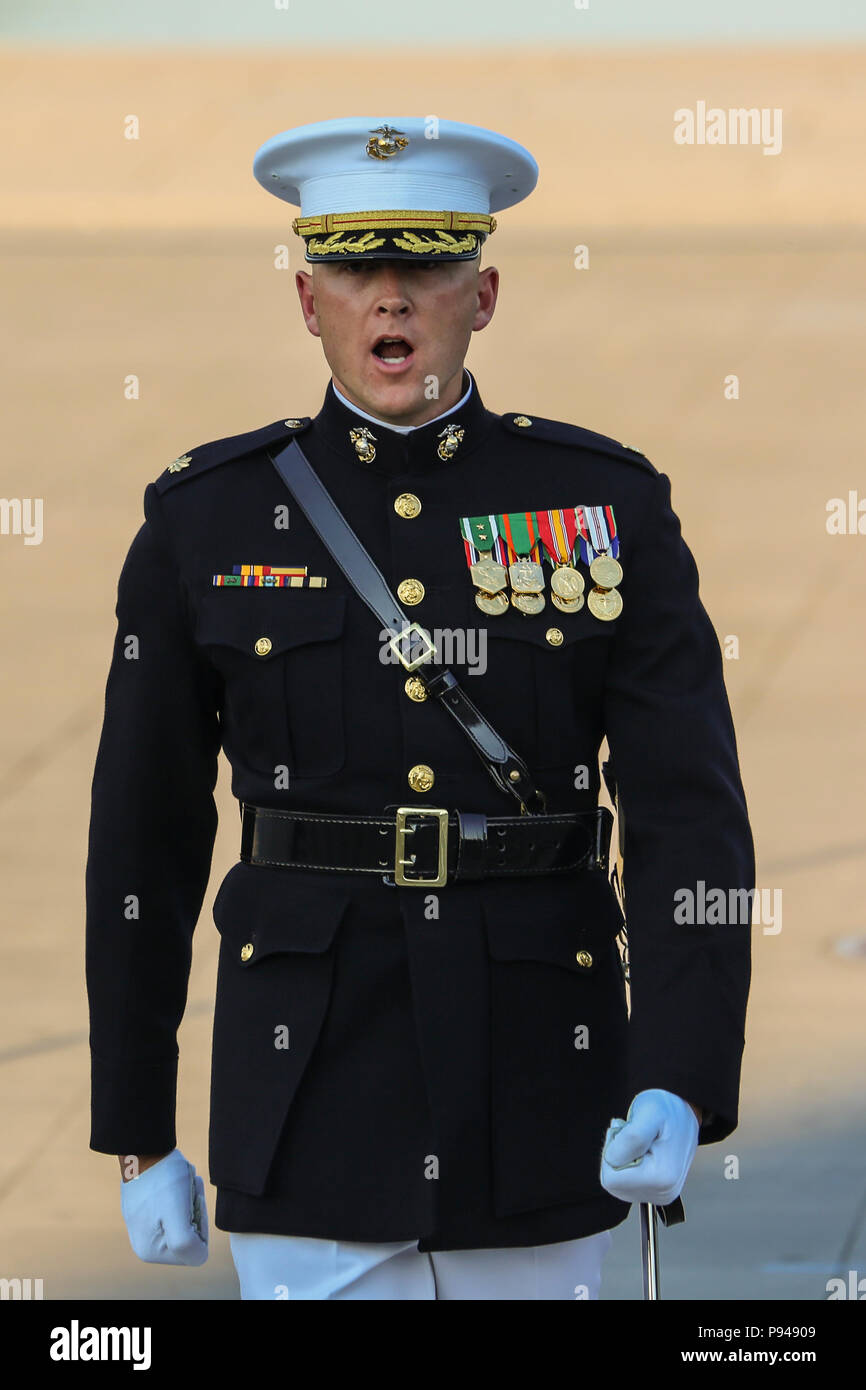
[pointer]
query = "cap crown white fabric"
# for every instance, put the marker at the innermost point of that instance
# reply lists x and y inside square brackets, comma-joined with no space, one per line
[326,168]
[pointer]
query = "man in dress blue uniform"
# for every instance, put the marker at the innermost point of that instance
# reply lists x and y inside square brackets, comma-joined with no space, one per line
[426,1079]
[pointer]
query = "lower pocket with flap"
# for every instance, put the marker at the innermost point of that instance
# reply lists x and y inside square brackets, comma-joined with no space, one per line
[558,1029]
[278,933]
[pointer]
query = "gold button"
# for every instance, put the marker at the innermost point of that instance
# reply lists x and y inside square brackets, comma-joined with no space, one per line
[410,591]
[407,505]
[263,646]
[421,777]
[415,689]
[292,424]
[554,636]
[584,958]
[246,951]
[523,421]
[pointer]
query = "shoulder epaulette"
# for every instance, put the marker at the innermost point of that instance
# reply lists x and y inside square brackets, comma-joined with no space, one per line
[207,456]
[558,432]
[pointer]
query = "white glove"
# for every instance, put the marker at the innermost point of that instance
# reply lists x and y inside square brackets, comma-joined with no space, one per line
[165,1213]
[647,1156]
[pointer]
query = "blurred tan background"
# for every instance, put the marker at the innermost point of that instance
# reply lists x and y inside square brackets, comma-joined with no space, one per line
[155,258]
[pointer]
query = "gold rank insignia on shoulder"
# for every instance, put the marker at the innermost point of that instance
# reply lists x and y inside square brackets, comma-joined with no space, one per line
[269,577]
[513,546]
[183,462]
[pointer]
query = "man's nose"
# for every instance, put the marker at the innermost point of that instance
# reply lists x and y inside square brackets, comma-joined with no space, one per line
[391,293]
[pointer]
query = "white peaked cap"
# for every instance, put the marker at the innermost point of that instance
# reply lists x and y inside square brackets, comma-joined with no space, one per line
[348,175]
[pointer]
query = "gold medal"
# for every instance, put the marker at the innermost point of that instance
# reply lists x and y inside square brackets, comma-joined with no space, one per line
[526,577]
[487,574]
[606,571]
[493,604]
[567,605]
[567,582]
[528,602]
[480,536]
[605,604]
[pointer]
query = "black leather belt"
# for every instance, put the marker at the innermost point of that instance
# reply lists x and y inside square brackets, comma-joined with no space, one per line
[426,847]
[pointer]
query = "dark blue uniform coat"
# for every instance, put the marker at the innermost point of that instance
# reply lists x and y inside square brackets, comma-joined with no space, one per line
[435,1083]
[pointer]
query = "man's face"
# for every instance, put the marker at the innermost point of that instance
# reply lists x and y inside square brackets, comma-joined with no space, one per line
[430,310]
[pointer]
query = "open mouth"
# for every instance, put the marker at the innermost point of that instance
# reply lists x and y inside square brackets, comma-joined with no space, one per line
[392,352]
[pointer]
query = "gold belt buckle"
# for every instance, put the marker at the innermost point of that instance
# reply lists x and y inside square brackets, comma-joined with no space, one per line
[400,861]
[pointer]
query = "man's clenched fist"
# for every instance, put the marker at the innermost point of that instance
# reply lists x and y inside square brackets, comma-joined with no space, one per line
[647,1156]
[165,1213]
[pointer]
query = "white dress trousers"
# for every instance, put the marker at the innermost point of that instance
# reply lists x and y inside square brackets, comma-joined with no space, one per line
[305,1267]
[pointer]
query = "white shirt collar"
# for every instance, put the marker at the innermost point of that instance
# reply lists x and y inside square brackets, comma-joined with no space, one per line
[406,429]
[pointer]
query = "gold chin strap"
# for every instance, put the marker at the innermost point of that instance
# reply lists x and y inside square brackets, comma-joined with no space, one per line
[394,220]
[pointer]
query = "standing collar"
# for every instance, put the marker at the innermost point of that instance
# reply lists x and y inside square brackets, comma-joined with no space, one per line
[414,452]
[407,429]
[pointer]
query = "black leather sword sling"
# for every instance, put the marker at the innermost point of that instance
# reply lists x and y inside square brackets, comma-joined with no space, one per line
[481,846]
[411,645]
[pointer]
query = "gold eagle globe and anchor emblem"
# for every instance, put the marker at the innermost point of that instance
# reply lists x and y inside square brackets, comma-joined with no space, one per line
[449,441]
[365,444]
[386,142]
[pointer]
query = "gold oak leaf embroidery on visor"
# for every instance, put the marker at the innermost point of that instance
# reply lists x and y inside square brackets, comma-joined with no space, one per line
[425,245]
[318,246]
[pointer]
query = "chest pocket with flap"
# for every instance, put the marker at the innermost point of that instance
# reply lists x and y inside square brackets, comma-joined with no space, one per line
[543,695]
[280,653]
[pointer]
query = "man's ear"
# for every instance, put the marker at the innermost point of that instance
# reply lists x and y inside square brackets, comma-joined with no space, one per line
[488,289]
[306,295]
